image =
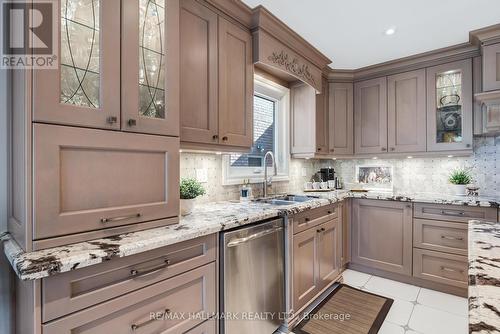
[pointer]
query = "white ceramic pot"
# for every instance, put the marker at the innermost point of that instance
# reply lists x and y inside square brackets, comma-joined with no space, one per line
[459,189]
[187,206]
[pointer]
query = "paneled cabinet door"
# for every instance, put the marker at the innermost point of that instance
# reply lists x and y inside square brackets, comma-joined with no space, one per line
[382,235]
[84,90]
[322,120]
[235,85]
[370,116]
[449,106]
[198,68]
[150,66]
[341,119]
[305,267]
[491,67]
[406,112]
[329,251]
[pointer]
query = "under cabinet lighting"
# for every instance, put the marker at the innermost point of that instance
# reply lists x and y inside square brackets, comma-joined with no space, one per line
[390,31]
[180,151]
[410,157]
[374,158]
[450,156]
[334,158]
[218,153]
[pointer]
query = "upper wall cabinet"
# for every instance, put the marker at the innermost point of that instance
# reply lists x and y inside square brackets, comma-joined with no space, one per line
[235,85]
[370,116]
[216,98]
[198,59]
[303,119]
[85,88]
[322,120]
[150,70]
[96,67]
[406,112]
[491,67]
[449,106]
[341,119]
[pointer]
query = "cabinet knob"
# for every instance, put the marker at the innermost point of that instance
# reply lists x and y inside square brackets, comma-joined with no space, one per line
[132,122]
[307,219]
[329,212]
[111,120]
[215,137]
[393,149]
[323,229]
[384,149]
[468,145]
[319,148]
[318,231]
[224,138]
[332,150]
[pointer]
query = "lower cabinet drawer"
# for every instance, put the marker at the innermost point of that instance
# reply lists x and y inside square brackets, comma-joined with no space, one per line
[160,308]
[310,218]
[208,327]
[440,236]
[75,290]
[440,267]
[453,212]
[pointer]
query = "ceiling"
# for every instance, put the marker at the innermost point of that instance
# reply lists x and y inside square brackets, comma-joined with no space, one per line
[352,33]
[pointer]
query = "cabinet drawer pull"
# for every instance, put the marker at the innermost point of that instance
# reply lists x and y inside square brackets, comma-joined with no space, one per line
[384,149]
[138,273]
[215,137]
[447,237]
[393,149]
[452,270]
[318,230]
[452,213]
[111,120]
[329,212]
[132,122]
[135,327]
[116,219]
[323,229]
[224,138]
[307,219]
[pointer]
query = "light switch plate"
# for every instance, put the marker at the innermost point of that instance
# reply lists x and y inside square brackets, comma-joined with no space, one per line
[202,175]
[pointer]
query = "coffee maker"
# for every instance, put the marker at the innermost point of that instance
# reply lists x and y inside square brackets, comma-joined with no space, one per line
[327,174]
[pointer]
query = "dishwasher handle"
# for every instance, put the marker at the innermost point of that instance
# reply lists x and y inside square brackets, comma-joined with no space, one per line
[239,241]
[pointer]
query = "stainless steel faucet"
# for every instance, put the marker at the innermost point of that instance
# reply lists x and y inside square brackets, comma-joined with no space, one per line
[268,182]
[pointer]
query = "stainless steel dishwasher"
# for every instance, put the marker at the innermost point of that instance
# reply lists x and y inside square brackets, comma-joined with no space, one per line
[252,279]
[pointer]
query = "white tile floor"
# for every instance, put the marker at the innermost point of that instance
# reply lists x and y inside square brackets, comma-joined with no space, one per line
[415,310]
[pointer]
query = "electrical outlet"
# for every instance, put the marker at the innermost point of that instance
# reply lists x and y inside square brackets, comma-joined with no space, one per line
[202,175]
[304,172]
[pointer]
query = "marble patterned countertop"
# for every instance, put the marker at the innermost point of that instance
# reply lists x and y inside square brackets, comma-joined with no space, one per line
[206,219]
[484,277]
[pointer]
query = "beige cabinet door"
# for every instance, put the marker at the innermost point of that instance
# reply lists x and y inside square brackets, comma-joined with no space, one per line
[84,90]
[382,235]
[449,106]
[150,66]
[235,85]
[406,113]
[198,73]
[370,116]
[305,267]
[303,118]
[341,119]
[95,179]
[329,251]
[491,67]
[321,129]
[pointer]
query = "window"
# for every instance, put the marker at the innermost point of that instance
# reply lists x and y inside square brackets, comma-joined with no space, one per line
[270,133]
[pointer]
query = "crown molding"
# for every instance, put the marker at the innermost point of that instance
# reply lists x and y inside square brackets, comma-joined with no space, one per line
[485,36]
[235,9]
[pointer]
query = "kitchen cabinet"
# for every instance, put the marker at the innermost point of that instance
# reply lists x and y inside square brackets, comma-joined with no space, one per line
[198,67]
[235,85]
[303,119]
[406,112]
[316,257]
[84,89]
[370,116]
[449,106]
[322,140]
[491,67]
[150,67]
[382,235]
[216,98]
[96,67]
[341,118]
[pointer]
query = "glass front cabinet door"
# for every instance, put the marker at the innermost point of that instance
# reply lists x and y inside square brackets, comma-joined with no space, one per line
[150,66]
[449,106]
[85,87]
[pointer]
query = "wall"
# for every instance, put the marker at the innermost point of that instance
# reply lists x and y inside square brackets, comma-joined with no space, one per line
[431,174]
[217,192]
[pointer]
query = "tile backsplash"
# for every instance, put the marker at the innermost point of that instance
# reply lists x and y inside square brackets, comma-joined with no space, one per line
[410,175]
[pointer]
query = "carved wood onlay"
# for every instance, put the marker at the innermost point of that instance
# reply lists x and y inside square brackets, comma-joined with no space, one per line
[292,65]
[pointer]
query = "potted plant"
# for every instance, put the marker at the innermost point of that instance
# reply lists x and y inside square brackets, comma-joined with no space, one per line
[189,190]
[459,180]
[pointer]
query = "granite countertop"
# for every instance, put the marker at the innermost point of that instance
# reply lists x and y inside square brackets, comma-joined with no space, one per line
[484,277]
[207,219]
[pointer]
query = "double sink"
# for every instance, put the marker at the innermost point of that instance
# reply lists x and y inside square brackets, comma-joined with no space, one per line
[286,199]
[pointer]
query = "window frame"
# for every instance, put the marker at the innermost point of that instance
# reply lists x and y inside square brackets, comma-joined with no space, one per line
[270,90]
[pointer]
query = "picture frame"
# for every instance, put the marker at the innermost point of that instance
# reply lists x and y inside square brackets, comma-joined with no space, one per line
[375,177]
